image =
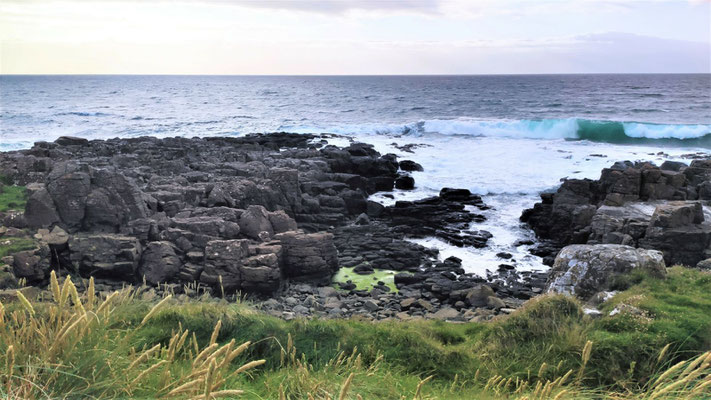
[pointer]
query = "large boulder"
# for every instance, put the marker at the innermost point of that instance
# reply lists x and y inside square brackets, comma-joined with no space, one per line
[584,270]
[678,230]
[255,220]
[159,263]
[215,227]
[40,211]
[87,198]
[308,256]
[108,256]
[114,200]
[675,214]
[71,141]
[69,185]
[223,259]
[281,222]
[33,265]
[261,272]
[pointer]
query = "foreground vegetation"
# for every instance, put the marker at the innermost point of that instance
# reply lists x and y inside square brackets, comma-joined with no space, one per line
[70,345]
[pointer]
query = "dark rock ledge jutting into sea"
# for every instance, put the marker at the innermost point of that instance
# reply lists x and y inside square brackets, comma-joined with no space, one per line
[273,217]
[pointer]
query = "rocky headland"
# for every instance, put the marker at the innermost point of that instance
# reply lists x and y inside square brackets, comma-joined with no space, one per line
[272,218]
[637,216]
[268,217]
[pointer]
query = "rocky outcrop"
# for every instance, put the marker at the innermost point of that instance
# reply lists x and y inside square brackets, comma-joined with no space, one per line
[444,216]
[262,215]
[235,214]
[664,208]
[584,270]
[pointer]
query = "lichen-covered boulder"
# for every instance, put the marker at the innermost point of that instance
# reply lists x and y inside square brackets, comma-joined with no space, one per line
[583,270]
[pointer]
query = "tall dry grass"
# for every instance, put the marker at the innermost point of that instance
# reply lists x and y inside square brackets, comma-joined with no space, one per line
[43,360]
[76,345]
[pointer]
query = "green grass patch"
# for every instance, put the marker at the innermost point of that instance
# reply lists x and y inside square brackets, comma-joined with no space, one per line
[12,198]
[365,282]
[12,245]
[674,310]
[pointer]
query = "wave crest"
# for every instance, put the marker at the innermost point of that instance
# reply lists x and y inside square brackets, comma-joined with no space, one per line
[550,129]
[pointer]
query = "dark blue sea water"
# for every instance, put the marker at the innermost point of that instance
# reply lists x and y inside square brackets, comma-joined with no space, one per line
[534,106]
[505,137]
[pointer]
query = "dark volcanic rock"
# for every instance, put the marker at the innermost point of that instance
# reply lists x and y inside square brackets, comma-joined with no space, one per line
[71,141]
[377,245]
[408,165]
[405,182]
[444,217]
[159,263]
[310,257]
[106,255]
[265,215]
[179,198]
[635,204]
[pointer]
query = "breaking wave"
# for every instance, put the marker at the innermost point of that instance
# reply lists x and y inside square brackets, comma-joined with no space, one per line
[569,129]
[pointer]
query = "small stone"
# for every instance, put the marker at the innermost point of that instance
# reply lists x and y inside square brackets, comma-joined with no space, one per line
[407,303]
[299,309]
[403,316]
[362,219]
[495,303]
[446,314]
[327,291]
[363,269]
[426,305]
[371,305]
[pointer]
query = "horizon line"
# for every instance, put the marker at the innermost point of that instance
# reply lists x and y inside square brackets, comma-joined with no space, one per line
[360,75]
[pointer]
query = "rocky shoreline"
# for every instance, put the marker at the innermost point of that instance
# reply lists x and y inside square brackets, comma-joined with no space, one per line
[270,217]
[636,217]
[273,217]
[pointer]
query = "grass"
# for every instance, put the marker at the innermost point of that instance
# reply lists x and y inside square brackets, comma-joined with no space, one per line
[12,245]
[365,282]
[12,198]
[87,346]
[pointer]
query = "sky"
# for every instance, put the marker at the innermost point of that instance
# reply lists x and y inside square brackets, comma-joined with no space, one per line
[354,36]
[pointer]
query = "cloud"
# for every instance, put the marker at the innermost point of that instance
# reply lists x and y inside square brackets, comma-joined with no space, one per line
[314,6]
[338,6]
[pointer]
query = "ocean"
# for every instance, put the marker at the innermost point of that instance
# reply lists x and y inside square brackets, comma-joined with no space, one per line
[508,138]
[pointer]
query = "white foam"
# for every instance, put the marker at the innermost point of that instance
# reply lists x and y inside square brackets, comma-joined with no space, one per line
[548,129]
[655,131]
[509,174]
